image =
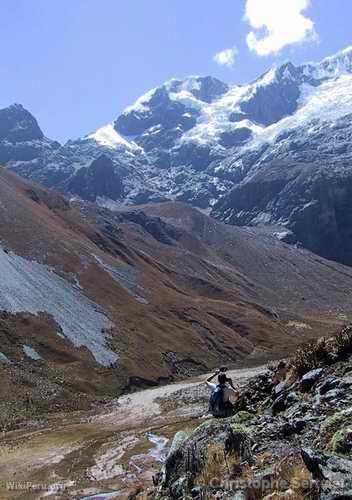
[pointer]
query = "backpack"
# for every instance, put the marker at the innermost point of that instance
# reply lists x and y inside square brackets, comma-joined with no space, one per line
[217,406]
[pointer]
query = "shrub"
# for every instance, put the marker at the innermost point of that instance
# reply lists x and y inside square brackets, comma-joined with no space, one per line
[219,465]
[343,342]
[322,352]
[312,355]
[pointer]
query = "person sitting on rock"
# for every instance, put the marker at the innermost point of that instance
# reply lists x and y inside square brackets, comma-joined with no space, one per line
[223,369]
[222,396]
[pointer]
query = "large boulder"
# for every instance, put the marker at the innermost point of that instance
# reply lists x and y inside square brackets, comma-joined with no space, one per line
[212,442]
[333,473]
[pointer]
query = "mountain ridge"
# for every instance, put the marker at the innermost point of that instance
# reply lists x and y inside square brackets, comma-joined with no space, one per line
[201,141]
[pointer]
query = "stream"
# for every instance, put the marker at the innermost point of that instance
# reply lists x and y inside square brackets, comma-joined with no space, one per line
[112,454]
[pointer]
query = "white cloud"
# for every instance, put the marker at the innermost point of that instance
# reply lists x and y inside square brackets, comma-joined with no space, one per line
[226,57]
[280,23]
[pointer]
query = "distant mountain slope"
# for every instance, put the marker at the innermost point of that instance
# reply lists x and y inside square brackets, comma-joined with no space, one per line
[276,151]
[21,140]
[94,301]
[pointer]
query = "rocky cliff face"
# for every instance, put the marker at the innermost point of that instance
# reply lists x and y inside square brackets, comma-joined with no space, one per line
[276,151]
[304,184]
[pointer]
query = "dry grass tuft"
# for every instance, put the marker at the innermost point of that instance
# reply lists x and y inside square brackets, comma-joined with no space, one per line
[343,342]
[293,480]
[322,352]
[220,465]
[312,355]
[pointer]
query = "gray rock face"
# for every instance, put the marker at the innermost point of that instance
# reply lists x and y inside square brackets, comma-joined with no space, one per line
[304,185]
[99,179]
[162,112]
[270,103]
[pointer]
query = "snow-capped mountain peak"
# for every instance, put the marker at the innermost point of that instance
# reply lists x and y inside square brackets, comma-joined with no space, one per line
[141,104]
[194,139]
[108,137]
[205,89]
[332,66]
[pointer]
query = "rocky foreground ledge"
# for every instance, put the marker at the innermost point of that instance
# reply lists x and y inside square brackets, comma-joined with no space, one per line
[291,436]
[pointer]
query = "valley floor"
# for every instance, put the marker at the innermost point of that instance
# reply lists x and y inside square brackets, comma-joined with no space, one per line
[116,451]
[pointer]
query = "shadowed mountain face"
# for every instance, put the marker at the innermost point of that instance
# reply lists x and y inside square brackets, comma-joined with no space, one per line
[21,139]
[17,125]
[94,301]
[305,185]
[274,152]
[100,178]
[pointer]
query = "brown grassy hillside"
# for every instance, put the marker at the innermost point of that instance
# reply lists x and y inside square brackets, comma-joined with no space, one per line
[183,293]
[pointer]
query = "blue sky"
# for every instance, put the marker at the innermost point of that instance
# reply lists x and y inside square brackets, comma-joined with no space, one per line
[75,64]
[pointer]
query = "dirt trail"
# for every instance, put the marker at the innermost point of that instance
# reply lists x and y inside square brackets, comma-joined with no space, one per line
[112,451]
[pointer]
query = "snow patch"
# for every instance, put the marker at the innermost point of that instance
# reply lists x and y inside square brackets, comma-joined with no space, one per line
[281,235]
[186,98]
[262,218]
[31,353]
[108,137]
[215,117]
[192,83]
[141,105]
